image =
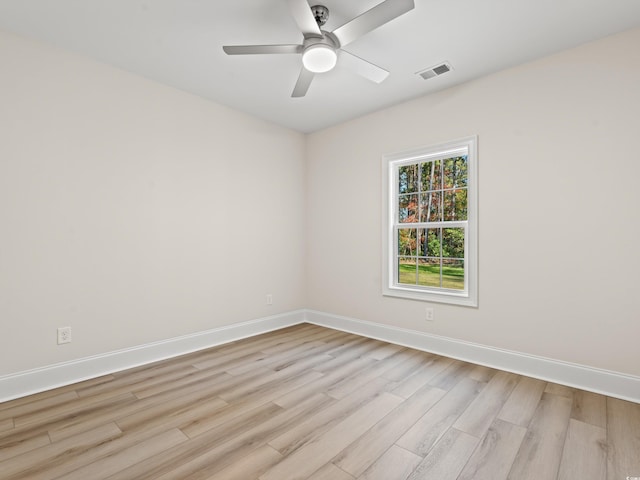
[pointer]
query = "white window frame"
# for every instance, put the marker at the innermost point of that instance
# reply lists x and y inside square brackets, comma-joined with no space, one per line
[390,165]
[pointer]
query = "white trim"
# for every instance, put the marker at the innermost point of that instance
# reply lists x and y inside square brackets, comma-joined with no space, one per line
[626,387]
[52,376]
[614,384]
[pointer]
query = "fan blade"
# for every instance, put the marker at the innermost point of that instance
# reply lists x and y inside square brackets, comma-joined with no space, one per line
[362,67]
[260,49]
[303,83]
[301,12]
[372,19]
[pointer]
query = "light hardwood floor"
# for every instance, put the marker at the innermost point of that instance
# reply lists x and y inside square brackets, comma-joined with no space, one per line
[308,402]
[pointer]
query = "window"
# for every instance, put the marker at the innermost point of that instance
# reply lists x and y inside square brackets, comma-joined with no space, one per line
[430,223]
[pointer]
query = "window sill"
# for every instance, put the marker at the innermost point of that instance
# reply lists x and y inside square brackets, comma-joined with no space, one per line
[464,300]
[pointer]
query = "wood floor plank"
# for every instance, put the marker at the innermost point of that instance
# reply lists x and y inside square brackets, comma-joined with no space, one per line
[409,362]
[116,462]
[482,373]
[557,389]
[6,424]
[239,447]
[494,456]
[384,350]
[352,346]
[305,461]
[448,457]
[450,376]
[589,408]
[482,411]
[36,398]
[362,377]
[328,380]
[123,406]
[187,379]
[53,460]
[238,359]
[234,415]
[395,464]
[89,417]
[11,440]
[158,368]
[216,450]
[213,386]
[175,417]
[180,460]
[250,403]
[584,455]
[309,337]
[275,361]
[136,409]
[276,389]
[345,358]
[330,472]
[523,401]
[217,355]
[423,375]
[39,407]
[60,411]
[541,450]
[251,466]
[623,434]
[126,442]
[424,434]
[265,382]
[365,451]
[19,444]
[147,378]
[317,424]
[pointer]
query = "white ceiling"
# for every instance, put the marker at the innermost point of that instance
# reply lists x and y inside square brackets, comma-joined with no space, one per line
[179,43]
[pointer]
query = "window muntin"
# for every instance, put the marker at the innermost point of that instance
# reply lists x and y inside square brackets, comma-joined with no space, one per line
[430,224]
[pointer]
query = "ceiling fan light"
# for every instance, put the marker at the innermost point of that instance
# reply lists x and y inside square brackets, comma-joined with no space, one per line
[319,58]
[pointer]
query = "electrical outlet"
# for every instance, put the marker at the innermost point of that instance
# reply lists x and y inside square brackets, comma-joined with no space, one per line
[429,314]
[269,299]
[64,335]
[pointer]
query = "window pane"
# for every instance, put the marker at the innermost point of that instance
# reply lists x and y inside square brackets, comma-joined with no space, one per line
[431,207]
[453,243]
[455,205]
[429,272]
[407,273]
[431,176]
[408,208]
[453,274]
[408,179]
[429,242]
[407,241]
[455,172]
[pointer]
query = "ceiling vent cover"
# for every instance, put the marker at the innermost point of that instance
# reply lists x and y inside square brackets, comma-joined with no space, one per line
[435,71]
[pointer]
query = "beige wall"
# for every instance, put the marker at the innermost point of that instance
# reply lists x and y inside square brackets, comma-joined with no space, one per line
[559,208]
[134,212]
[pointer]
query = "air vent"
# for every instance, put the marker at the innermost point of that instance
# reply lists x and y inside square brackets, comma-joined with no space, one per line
[434,71]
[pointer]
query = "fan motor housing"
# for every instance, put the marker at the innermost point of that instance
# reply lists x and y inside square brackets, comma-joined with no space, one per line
[320,13]
[327,39]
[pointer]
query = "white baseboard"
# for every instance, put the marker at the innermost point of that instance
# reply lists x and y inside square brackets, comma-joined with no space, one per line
[626,387]
[52,376]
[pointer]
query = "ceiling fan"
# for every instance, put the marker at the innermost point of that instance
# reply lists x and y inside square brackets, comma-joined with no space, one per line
[319,48]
